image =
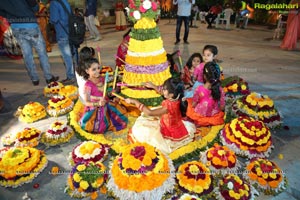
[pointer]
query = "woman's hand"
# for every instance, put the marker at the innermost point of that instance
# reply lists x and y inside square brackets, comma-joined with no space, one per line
[150,85]
[102,101]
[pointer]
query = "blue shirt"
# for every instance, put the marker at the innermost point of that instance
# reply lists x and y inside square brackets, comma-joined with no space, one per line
[184,7]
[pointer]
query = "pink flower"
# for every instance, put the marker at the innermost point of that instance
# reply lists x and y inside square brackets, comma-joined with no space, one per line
[142,9]
[154,6]
[138,152]
[131,14]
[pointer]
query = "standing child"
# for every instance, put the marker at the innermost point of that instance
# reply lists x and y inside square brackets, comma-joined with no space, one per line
[207,106]
[165,130]
[99,116]
[188,74]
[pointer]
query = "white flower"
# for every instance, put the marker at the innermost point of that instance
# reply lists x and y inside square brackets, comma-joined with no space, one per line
[127,10]
[137,14]
[147,4]
[230,185]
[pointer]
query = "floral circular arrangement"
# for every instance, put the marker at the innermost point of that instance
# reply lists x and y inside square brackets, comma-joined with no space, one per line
[194,177]
[141,172]
[69,91]
[59,105]
[186,197]
[247,137]
[59,132]
[88,151]
[28,137]
[20,165]
[220,158]
[31,112]
[258,106]
[86,179]
[232,187]
[266,176]
[53,88]
[235,86]
[143,9]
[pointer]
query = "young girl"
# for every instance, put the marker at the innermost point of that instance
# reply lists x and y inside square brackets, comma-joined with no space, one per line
[207,106]
[122,49]
[168,132]
[99,116]
[188,74]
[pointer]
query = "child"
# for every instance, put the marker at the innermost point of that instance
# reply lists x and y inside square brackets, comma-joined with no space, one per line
[207,106]
[122,49]
[168,132]
[99,116]
[187,75]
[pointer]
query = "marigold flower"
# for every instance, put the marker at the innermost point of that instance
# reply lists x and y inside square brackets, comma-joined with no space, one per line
[54,170]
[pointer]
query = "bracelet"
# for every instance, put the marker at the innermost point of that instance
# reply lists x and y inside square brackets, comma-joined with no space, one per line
[141,106]
[95,104]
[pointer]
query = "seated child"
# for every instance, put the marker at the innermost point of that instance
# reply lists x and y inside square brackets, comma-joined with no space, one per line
[163,127]
[207,106]
[99,115]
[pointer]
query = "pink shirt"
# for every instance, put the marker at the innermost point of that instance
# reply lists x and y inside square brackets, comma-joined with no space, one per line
[198,72]
[206,105]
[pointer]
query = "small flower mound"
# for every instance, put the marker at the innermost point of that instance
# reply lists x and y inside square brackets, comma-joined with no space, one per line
[141,172]
[194,177]
[58,133]
[31,112]
[88,151]
[59,105]
[235,86]
[266,176]
[139,9]
[247,137]
[220,158]
[232,187]
[28,137]
[20,165]
[257,106]
[69,91]
[53,88]
[85,179]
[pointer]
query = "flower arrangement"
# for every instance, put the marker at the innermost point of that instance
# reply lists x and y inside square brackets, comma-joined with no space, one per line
[88,151]
[59,105]
[235,86]
[186,196]
[86,179]
[69,91]
[232,187]
[59,132]
[20,165]
[53,88]
[31,112]
[139,9]
[28,137]
[247,137]
[258,106]
[266,176]
[220,158]
[141,172]
[194,177]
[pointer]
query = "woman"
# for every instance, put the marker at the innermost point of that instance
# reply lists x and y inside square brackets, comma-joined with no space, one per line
[120,16]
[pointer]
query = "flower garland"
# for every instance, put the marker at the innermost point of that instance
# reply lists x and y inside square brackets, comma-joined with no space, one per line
[69,91]
[151,69]
[143,9]
[85,179]
[194,177]
[232,187]
[20,165]
[266,176]
[247,137]
[145,33]
[28,137]
[146,54]
[59,105]
[141,163]
[146,46]
[31,112]
[59,132]
[53,88]
[88,151]
[144,61]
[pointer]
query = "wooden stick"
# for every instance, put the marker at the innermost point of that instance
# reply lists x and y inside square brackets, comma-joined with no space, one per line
[130,85]
[115,77]
[105,84]
[120,97]
[99,55]
[117,57]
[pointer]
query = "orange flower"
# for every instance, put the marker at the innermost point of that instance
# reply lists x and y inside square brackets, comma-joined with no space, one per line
[54,170]
[94,195]
[274,184]
[262,181]
[103,190]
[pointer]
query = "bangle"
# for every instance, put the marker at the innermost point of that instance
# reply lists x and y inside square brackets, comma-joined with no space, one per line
[141,106]
[95,104]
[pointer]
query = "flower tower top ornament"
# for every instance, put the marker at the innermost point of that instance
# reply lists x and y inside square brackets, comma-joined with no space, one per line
[143,8]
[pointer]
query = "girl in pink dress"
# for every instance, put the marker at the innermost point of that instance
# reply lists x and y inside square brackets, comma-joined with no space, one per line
[207,106]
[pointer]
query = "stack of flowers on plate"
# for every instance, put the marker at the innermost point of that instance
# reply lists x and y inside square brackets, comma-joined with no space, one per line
[28,137]
[31,112]
[194,177]
[86,179]
[52,88]
[247,137]
[88,151]
[220,159]
[69,91]
[232,187]
[141,172]
[235,86]
[20,165]
[185,196]
[259,107]
[59,132]
[59,105]
[266,176]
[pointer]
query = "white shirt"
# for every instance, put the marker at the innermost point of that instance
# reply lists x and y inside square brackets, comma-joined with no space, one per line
[184,7]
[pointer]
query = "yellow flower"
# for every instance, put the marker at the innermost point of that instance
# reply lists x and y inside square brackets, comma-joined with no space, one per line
[77,177]
[243,87]
[280,156]
[194,169]
[231,193]
[81,167]
[198,189]
[84,184]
